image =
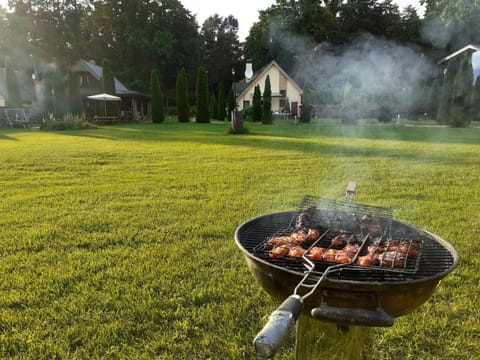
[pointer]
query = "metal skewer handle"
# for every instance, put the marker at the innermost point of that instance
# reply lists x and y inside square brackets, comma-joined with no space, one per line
[350,191]
[280,324]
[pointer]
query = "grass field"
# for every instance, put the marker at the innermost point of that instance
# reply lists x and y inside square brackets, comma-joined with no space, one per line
[117,242]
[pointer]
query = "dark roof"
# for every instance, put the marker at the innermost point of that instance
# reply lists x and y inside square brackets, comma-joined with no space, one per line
[241,86]
[97,73]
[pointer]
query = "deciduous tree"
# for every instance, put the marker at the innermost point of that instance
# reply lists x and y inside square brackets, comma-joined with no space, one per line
[220,48]
[73,93]
[107,85]
[14,98]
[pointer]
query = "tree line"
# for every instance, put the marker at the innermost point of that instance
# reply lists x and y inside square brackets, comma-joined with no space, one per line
[155,45]
[134,36]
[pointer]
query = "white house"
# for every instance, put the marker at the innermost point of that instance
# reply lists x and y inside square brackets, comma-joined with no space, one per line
[286,94]
[474,51]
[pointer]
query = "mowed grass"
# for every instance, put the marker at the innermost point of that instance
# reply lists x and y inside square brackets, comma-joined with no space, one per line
[118,243]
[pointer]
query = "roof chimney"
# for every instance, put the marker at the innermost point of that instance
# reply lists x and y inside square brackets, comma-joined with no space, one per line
[248,70]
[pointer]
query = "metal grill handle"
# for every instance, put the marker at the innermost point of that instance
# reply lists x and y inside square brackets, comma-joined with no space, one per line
[280,324]
[350,191]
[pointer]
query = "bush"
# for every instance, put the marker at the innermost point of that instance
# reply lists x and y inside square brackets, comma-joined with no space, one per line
[349,115]
[60,125]
[248,113]
[385,114]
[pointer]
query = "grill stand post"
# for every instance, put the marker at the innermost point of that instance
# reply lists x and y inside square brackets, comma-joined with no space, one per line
[317,339]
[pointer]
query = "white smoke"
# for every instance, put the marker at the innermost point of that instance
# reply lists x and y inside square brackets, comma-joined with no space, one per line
[374,67]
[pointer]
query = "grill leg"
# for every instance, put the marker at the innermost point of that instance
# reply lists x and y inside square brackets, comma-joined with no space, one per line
[321,340]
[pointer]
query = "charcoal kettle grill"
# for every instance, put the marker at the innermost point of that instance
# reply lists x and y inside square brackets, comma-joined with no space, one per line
[336,303]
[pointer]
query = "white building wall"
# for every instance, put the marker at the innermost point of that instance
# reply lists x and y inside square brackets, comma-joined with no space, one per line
[292,93]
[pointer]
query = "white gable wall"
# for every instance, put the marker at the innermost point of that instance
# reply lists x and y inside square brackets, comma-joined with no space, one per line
[276,79]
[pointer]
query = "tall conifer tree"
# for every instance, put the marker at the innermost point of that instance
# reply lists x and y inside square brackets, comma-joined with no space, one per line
[221,103]
[461,103]
[202,96]
[443,112]
[257,104]
[183,108]
[267,102]
[158,108]
[476,100]
[212,105]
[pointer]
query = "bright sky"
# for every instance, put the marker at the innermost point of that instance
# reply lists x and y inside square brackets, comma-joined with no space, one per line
[246,11]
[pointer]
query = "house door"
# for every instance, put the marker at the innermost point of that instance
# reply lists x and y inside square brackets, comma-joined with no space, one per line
[294,108]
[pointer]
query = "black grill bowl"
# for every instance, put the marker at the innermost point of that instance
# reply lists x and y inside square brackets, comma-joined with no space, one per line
[352,288]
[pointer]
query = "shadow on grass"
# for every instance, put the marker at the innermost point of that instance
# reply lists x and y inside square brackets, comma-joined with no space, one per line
[407,133]
[6,137]
[289,137]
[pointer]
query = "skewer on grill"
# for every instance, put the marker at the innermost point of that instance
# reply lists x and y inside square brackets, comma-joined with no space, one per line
[298,237]
[306,217]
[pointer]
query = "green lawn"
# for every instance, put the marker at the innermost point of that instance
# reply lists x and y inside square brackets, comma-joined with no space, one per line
[117,242]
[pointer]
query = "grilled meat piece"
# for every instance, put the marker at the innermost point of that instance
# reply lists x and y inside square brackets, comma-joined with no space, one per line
[298,237]
[287,249]
[370,259]
[279,251]
[338,241]
[306,218]
[279,240]
[375,249]
[392,259]
[313,234]
[330,255]
[344,257]
[405,247]
[316,253]
[351,249]
[296,251]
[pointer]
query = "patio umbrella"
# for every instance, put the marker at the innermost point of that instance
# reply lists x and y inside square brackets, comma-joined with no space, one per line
[104,97]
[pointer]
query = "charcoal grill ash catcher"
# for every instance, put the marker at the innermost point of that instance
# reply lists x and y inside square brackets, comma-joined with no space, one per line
[339,268]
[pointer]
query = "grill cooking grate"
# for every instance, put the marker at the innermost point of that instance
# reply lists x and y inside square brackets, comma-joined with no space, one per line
[357,235]
[340,216]
[434,257]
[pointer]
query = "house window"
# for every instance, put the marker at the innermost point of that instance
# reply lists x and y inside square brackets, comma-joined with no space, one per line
[84,80]
[283,93]
[246,104]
